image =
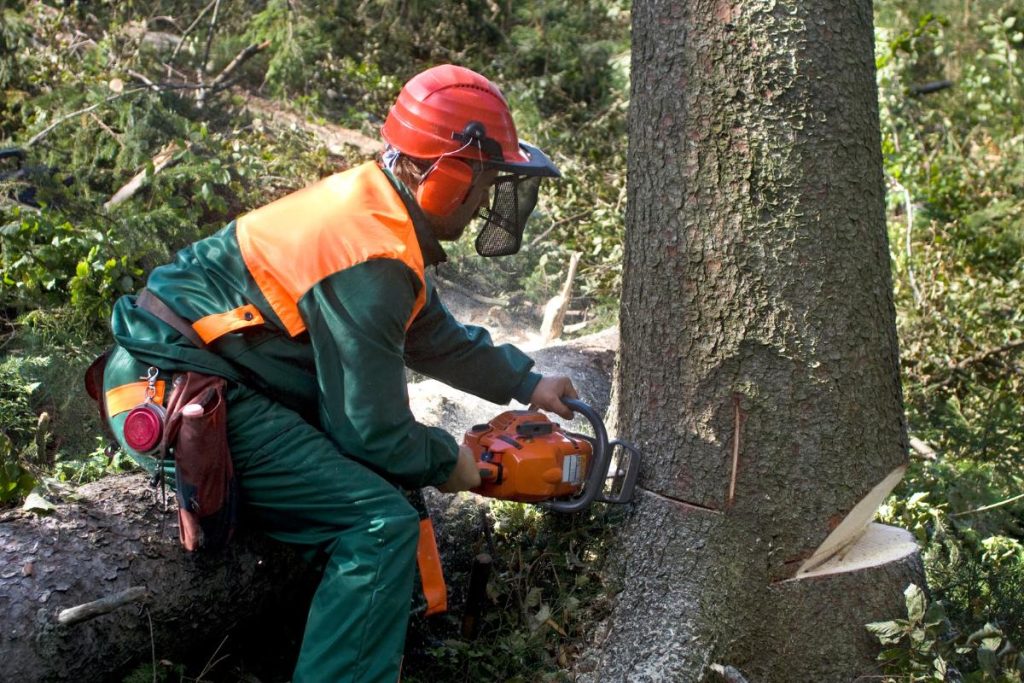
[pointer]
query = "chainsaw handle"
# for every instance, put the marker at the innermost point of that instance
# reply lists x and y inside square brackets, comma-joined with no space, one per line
[599,462]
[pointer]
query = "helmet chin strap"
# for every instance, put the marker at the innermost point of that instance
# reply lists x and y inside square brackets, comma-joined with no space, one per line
[390,157]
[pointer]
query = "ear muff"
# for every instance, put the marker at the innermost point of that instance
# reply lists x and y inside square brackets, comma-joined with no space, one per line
[445,186]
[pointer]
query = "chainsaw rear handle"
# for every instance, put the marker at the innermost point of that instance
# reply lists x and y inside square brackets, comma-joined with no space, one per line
[600,460]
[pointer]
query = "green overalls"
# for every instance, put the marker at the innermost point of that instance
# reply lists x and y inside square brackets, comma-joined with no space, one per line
[312,307]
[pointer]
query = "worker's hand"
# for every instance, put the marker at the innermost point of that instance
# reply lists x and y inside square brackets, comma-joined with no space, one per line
[465,476]
[548,393]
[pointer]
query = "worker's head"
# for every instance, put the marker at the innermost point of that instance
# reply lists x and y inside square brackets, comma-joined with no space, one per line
[451,138]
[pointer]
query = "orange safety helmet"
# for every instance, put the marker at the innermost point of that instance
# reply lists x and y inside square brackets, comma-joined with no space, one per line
[450,114]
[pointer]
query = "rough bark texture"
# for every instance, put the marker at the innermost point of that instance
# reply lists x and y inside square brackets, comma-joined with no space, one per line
[756,238]
[117,534]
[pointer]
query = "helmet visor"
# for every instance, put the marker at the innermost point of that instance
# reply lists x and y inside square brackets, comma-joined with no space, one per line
[501,231]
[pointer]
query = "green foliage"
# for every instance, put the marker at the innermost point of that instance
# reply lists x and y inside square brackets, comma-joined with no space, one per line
[975,571]
[297,46]
[100,463]
[15,479]
[917,648]
[911,643]
[16,418]
[22,434]
[956,224]
[545,592]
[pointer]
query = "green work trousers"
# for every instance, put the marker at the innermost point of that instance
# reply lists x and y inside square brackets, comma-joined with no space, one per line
[298,488]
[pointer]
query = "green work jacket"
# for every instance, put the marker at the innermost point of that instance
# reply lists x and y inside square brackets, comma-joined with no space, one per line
[321,300]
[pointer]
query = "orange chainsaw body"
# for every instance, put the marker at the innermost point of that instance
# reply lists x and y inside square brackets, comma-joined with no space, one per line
[524,456]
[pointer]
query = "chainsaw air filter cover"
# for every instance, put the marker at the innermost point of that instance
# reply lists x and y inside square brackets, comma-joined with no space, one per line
[524,456]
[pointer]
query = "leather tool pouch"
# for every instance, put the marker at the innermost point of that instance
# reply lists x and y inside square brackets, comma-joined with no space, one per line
[195,434]
[94,388]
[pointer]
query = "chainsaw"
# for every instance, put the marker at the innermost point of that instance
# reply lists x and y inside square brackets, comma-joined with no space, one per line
[524,456]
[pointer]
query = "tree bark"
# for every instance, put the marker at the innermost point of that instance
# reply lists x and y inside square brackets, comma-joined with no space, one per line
[756,239]
[116,537]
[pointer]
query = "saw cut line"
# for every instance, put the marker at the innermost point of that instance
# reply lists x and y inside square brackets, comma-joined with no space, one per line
[684,503]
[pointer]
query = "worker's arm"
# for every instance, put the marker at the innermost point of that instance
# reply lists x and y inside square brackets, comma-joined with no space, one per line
[464,356]
[356,321]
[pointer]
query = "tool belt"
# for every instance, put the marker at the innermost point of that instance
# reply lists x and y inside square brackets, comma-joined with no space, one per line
[192,429]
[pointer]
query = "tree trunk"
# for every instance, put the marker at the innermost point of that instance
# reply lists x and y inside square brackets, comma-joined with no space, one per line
[756,238]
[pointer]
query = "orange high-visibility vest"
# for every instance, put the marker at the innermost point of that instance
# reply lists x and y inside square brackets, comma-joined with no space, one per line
[343,220]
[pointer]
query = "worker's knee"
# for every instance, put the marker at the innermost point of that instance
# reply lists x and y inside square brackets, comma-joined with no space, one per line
[396,522]
[407,525]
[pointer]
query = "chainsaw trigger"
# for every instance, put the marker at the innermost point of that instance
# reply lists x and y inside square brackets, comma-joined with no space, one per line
[492,472]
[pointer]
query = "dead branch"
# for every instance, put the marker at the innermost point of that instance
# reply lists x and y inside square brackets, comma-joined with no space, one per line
[188,30]
[209,38]
[163,159]
[74,615]
[576,327]
[106,128]
[540,238]
[930,87]
[990,353]
[145,81]
[219,83]
[335,138]
[554,311]
[922,448]
[976,359]
[908,204]
[993,506]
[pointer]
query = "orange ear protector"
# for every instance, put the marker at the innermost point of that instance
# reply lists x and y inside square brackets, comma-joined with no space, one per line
[445,186]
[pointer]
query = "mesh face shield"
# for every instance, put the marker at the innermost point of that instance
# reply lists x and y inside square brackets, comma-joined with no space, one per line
[501,230]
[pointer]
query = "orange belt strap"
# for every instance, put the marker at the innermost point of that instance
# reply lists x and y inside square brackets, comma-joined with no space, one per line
[431,574]
[127,396]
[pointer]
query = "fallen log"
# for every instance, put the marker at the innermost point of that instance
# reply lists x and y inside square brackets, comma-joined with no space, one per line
[101,583]
[88,590]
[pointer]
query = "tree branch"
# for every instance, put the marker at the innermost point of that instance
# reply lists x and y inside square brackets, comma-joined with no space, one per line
[537,240]
[976,359]
[188,30]
[219,83]
[993,506]
[74,615]
[209,38]
[909,208]
[929,88]
[141,78]
[44,132]
[163,159]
